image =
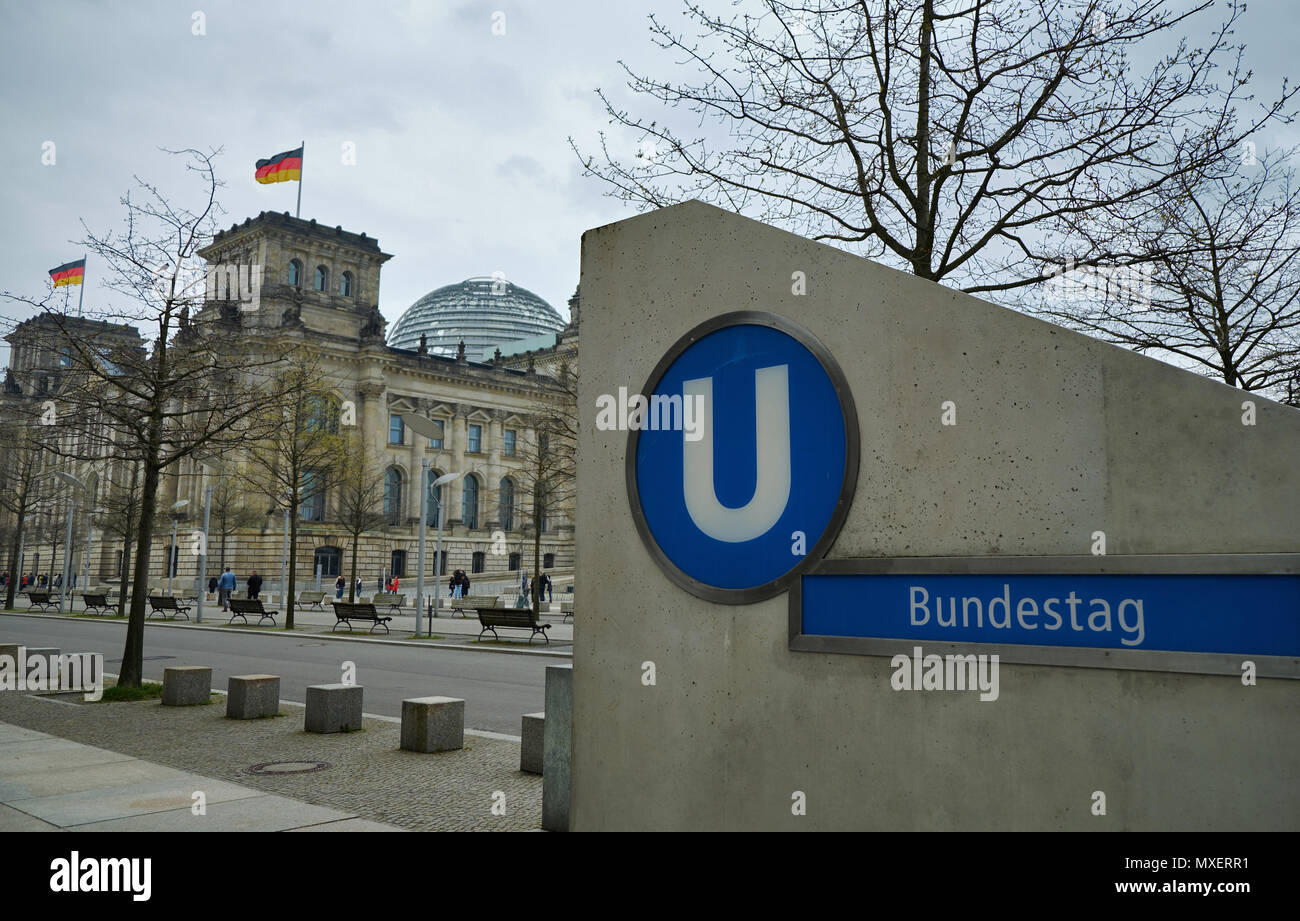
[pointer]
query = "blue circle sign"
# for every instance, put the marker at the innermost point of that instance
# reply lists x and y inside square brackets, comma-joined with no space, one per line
[743,457]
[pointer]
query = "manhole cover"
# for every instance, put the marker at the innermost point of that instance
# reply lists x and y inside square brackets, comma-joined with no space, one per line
[288,767]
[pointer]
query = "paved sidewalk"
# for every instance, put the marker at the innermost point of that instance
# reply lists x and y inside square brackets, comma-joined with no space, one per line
[69,763]
[52,784]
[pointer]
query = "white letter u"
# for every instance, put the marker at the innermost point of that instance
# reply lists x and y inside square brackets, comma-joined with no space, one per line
[772,444]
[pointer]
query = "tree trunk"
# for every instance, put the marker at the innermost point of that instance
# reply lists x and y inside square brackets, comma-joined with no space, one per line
[537,562]
[922,255]
[293,552]
[352,581]
[14,575]
[122,572]
[131,673]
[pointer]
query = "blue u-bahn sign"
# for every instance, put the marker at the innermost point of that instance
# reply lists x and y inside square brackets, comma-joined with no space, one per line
[752,488]
[741,468]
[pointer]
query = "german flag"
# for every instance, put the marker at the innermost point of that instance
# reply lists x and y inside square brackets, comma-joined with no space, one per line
[280,168]
[70,273]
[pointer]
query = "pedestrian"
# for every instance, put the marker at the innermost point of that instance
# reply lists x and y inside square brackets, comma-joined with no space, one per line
[454,584]
[357,589]
[58,580]
[549,587]
[254,584]
[464,584]
[339,585]
[212,585]
[396,583]
[225,585]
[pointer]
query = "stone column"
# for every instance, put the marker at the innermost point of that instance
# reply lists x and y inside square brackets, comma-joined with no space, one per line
[460,439]
[493,471]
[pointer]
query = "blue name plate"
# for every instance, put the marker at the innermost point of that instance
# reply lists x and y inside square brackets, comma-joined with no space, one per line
[1246,614]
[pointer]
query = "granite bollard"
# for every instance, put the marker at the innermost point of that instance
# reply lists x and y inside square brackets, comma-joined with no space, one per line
[333,708]
[184,685]
[433,724]
[250,697]
[532,743]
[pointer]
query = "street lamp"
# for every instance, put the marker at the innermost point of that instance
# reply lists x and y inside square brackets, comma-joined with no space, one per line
[67,539]
[172,555]
[201,589]
[437,563]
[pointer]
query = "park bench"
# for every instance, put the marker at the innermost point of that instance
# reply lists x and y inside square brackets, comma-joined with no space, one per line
[43,600]
[390,600]
[161,604]
[315,599]
[514,618]
[468,603]
[242,607]
[97,602]
[346,613]
[566,608]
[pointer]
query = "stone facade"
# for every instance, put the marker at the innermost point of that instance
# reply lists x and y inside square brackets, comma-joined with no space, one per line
[276,279]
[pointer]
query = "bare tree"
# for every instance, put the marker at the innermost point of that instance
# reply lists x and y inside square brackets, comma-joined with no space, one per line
[119,515]
[957,141]
[548,464]
[187,390]
[360,488]
[231,513]
[21,459]
[300,445]
[1219,280]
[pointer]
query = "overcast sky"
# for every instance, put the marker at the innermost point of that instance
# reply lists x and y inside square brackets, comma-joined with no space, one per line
[462,161]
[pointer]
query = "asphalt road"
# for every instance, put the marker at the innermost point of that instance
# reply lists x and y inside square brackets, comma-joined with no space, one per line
[497,689]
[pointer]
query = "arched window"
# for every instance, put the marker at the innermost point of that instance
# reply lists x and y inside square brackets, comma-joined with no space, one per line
[507,503]
[433,506]
[327,561]
[393,496]
[322,278]
[295,273]
[470,513]
[345,284]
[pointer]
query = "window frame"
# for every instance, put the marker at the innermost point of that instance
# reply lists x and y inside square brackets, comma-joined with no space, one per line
[393,517]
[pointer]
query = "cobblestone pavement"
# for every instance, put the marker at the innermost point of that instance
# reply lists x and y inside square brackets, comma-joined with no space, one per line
[369,775]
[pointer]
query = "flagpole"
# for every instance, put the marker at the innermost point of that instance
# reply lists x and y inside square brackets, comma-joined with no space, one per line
[82,295]
[298,211]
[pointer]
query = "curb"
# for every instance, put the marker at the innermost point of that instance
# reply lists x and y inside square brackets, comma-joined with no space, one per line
[520,651]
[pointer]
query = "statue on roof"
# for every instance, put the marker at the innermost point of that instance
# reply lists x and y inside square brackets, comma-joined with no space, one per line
[423,347]
[374,325]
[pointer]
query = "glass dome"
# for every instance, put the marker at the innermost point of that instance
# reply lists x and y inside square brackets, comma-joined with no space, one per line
[482,312]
